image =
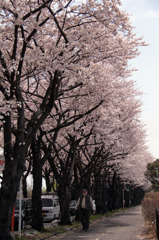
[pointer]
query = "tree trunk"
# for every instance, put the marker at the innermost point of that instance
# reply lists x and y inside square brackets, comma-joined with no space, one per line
[104,200]
[37,220]
[7,200]
[65,197]
[24,185]
[47,179]
[98,196]
[8,192]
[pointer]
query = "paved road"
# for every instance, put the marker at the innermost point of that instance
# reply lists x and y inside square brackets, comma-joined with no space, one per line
[127,225]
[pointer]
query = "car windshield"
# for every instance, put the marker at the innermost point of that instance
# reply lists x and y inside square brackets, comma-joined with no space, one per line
[17,204]
[47,202]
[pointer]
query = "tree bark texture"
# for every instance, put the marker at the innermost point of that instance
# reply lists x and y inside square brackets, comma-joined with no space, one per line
[8,192]
[37,220]
[65,197]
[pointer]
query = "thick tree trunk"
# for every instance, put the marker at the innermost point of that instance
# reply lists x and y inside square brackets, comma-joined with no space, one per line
[37,220]
[65,197]
[8,192]
[7,200]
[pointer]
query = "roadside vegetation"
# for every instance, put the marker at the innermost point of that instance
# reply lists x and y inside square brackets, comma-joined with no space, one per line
[149,205]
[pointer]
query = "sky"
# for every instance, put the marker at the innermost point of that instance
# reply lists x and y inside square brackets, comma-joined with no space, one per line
[145,18]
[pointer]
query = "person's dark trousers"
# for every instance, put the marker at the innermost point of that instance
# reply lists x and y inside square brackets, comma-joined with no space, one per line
[85,215]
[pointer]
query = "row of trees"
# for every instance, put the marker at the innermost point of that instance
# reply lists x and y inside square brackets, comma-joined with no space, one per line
[69,109]
[152,174]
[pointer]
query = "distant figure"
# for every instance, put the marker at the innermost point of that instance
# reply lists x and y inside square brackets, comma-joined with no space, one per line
[85,206]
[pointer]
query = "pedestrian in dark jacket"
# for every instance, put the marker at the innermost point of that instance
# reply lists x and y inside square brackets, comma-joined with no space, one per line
[85,206]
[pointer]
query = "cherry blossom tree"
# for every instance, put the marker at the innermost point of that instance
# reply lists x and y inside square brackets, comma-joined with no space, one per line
[43,46]
[114,129]
[45,144]
[135,165]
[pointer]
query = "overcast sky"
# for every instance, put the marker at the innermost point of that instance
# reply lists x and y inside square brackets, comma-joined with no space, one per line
[145,19]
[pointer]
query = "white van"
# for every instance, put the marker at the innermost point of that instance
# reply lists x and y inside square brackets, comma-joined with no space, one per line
[50,207]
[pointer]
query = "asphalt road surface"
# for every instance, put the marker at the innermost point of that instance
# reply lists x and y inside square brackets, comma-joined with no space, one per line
[127,225]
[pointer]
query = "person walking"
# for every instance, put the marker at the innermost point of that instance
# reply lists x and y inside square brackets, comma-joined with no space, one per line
[85,206]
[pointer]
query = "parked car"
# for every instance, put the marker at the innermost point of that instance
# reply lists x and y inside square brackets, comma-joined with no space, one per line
[72,207]
[26,214]
[50,207]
